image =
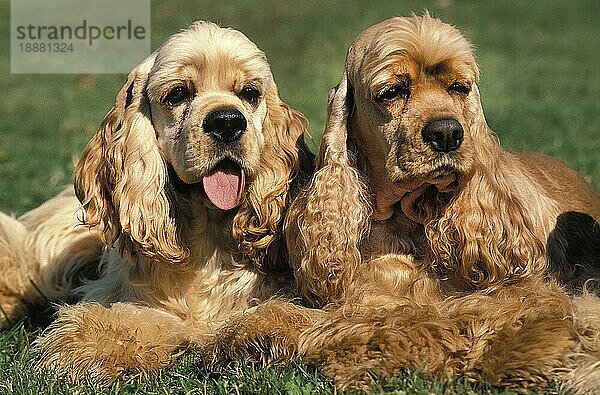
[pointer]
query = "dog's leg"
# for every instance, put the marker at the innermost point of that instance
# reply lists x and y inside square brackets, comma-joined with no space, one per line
[387,321]
[357,344]
[68,252]
[270,333]
[582,372]
[90,340]
[266,334]
[516,338]
[18,269]
[520,334]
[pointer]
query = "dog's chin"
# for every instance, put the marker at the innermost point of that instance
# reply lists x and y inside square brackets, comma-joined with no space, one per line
[426,197]
[222,187]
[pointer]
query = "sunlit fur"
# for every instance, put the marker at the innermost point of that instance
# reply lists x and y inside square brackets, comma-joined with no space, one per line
[155,265]
[464,289]
[490,228]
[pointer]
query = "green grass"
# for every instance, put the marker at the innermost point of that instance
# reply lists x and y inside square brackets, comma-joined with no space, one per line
[540,90]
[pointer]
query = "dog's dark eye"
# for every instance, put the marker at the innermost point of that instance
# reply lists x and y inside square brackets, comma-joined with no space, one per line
[395,92]
[250,94]
[177,95]
[459,88]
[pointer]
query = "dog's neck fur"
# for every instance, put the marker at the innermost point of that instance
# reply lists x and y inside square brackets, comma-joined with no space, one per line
[408,237]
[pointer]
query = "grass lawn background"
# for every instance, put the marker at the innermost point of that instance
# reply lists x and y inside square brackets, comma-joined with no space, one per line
[540,89]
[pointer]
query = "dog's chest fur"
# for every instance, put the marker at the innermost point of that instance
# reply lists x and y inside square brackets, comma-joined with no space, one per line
[213,284]
[396,236]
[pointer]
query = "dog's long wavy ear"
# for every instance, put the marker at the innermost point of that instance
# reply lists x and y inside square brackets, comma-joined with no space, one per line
[494,231]
[329,217]
[258,225]
[121,177]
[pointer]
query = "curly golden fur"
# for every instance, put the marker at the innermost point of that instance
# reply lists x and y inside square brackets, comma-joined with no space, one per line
[164,255]
[439,241]
[422,243]
[477,216]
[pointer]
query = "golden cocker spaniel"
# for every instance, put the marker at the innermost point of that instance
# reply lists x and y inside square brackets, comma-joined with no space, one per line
[183,191]
[422,172]
[422,243]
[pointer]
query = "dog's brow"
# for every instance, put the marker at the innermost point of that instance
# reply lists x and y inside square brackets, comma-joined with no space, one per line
[390,79]
[256,82]
[438,68]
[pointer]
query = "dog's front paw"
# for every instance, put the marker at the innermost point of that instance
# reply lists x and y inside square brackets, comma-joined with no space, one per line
[266,334]
[90,340]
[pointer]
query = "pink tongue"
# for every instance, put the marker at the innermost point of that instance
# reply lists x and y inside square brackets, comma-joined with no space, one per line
[224,186]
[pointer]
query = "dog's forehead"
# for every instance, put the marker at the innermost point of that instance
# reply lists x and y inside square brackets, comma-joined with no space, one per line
[206,51]
[422,42]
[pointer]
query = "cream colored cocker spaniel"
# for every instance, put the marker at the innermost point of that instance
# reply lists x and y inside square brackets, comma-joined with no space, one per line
[183,192]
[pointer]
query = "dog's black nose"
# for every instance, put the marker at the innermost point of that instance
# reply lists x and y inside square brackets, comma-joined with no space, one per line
[225,125]
[444,135]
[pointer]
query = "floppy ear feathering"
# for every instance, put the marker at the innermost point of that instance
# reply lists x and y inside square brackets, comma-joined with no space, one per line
[494,230]
[121,178]
[330,216]
[257,225]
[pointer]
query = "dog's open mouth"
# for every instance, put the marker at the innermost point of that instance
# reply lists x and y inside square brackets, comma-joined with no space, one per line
[424,203]
[222,187]
[225,184]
